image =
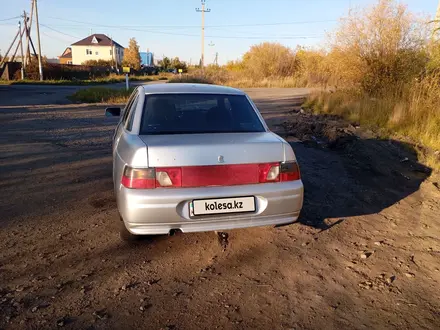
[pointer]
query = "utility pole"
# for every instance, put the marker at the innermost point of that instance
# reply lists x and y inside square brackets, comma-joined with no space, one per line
[216,59]
[29,43]
[28,32]
[40,67]
[21,32]
[211,44]
[203,11]
[21,50]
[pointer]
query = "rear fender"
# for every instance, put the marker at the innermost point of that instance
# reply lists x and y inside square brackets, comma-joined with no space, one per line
[289,154]
[131,151]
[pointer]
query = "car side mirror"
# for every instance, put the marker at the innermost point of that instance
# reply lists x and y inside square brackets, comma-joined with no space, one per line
[113,112]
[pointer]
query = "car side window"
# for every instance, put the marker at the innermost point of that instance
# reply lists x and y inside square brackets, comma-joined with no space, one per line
[128,107]
[131,111]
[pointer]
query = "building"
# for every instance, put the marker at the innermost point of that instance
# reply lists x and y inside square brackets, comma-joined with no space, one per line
[147,58]
[96,47]
[53,61]
[66,56]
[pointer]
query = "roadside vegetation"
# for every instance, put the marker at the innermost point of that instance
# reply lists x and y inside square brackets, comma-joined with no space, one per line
[101,95]
[385,74]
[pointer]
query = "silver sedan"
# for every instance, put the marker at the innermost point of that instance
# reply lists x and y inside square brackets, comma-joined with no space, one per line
[190,157]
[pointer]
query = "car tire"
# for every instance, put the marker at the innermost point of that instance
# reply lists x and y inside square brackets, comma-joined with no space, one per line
[126,236]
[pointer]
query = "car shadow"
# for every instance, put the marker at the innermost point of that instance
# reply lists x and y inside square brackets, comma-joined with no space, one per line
[362,177]
[347,171]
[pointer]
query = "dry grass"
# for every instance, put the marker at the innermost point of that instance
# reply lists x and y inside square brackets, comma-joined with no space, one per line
[237,80]
[101,95]
[411,115]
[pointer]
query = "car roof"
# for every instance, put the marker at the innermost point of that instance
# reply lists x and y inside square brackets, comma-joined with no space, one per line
[184,88]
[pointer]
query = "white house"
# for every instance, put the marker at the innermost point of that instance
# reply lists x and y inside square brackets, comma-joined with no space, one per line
[96,47]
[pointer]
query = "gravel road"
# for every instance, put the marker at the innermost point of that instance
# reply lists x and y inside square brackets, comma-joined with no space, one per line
[364,254]
[27,95]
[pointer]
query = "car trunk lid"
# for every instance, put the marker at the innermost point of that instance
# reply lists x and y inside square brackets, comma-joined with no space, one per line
[212,149]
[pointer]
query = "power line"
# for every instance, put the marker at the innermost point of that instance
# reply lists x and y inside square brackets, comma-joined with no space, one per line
[270,24]
[209,36]
[9,19]
[54,37]
[66,34]
[194,26]
[265,37]
[259,34]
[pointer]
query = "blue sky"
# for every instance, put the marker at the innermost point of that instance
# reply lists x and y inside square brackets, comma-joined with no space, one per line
[172,27]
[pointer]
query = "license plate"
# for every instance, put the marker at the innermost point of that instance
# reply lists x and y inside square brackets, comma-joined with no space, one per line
[223,205]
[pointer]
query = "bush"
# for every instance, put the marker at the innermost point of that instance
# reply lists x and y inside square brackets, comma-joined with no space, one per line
[379,48]
[268,60]
[312,68]
[108,63]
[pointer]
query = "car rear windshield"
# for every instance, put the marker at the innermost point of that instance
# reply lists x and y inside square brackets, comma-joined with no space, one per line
[198,113]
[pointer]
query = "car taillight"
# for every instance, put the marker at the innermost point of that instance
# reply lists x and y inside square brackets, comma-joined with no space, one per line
[289,171]
[169,177]
[269,172]
[205,176]
[149,178]
[139,178]
[278,172]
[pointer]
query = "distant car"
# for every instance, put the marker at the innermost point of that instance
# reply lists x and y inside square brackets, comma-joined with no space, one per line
[190,157]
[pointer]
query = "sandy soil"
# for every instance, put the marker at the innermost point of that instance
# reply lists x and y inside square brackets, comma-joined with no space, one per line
[365,253]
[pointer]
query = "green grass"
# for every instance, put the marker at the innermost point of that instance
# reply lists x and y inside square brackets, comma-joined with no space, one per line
[101,95]
[99,81]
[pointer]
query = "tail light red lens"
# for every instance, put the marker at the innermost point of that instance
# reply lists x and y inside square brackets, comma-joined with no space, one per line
[204,176]
[139,178]
[149,178]
[289,171]
[269,172]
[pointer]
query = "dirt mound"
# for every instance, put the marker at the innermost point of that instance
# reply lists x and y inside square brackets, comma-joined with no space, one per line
[324,130]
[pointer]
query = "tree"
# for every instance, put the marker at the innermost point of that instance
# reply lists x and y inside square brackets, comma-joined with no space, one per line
[165,63]
[132,58]
[177,64]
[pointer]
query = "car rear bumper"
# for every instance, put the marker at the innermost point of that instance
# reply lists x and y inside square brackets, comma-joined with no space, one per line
[158,211]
